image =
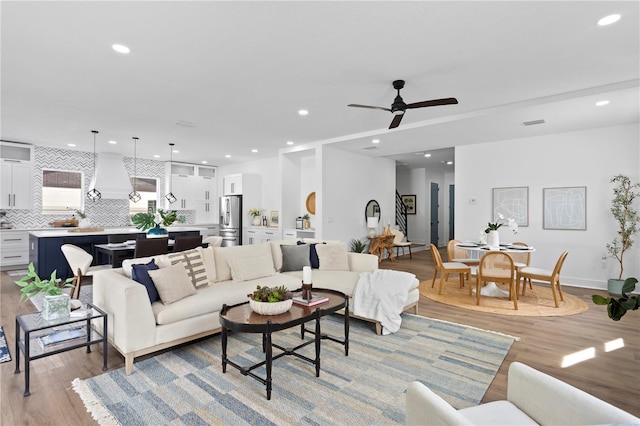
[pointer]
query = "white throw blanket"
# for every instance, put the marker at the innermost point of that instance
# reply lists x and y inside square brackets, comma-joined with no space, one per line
[381,295]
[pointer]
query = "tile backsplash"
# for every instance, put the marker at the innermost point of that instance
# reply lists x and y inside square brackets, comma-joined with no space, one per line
[102,213]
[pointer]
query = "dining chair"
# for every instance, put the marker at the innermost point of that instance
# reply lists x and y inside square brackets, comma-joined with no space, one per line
[120,238]
[529,273]
[187,243]
[446,268]
[213,241]
[80,263]
[460,255]
[151,247]
[398,243]
[498,267]
[521,259]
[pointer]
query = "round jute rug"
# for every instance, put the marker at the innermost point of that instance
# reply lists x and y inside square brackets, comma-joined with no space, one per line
[537,302]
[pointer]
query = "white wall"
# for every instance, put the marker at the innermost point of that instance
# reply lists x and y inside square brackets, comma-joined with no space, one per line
[349,181]
[587,158]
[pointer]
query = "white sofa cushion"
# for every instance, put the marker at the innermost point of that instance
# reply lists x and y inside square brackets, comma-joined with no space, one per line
[496,413]
[222,254]
[210,299]
[172,283]
[333,257]
[209,263]
[249,268]
[161,260]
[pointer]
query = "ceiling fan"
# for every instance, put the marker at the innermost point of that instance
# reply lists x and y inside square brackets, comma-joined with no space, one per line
[398,107]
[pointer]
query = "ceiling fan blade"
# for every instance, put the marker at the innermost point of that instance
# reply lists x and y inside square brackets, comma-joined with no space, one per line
[433,102]
[369,106]
[396,121]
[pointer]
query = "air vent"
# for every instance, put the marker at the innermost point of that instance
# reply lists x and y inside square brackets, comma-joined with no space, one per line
[533,122]
[188,124]
[370,147]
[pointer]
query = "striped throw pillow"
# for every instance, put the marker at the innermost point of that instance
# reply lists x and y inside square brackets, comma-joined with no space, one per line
[193,263]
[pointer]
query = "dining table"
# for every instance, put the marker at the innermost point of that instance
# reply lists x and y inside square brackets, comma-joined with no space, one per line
[115,253]
[476,250]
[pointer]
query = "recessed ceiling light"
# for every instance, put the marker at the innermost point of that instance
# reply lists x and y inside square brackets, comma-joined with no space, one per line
[71,144]
[175,151]
[156,156]
[449,163]
[254,150]
[303,112]
[113,142]
[427,155]
[289,142]
[204,161]
[602,103]
[228,156]
[375,141]
[121,48]
[608,20]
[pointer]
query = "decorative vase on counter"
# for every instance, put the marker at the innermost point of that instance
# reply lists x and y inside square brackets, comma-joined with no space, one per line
[54,307]
[157,232]
[257,221]
[84,223]
[493,239]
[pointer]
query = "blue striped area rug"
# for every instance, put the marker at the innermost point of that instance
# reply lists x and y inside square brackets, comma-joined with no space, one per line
[186,386]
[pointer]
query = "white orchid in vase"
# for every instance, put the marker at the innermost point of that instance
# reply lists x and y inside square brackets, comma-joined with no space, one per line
[494,226]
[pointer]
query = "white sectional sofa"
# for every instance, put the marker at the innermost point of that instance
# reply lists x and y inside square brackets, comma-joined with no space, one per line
[221,275]
[532,398]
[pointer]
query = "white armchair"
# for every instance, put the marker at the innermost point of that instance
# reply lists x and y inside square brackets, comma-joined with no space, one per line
[532,398]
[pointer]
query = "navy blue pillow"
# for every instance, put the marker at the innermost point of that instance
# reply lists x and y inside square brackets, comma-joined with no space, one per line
[140,273]
[313,255]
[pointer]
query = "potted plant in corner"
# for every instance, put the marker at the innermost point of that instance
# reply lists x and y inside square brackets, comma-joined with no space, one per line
[623,211]
[55,303]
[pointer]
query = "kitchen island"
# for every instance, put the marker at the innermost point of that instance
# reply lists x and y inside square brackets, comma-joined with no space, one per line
[46,255]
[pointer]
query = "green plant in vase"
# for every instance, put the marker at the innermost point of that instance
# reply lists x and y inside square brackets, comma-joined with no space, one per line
[145,221]
[56,303]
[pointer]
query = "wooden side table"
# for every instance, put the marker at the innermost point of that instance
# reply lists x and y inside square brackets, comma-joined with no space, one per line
[380,243]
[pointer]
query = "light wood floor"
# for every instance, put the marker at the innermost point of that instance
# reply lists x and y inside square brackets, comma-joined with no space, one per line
[613,376]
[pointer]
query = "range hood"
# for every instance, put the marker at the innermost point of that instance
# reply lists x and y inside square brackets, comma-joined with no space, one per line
[110,177]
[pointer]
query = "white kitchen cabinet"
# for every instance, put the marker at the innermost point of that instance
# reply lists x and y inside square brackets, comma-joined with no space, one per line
[298,233]
[195,188]
[16,185]
[233,184]
[14,248]
[261,235]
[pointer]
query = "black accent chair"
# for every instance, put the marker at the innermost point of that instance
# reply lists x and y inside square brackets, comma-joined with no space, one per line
[151,247]
[187,243]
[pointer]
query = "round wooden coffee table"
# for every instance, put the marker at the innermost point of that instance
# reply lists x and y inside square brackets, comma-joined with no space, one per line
[240,318]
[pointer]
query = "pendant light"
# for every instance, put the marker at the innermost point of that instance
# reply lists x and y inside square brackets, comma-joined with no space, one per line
[134,195]
[170,197]
[94,194]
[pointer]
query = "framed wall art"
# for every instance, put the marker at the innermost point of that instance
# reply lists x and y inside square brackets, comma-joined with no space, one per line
[565,208]
[513,203]
[274,219]
[410,202]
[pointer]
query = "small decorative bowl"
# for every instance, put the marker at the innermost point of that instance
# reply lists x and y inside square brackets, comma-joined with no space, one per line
[270,308]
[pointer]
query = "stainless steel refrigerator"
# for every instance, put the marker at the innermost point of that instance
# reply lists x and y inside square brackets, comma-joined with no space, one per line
[230,225]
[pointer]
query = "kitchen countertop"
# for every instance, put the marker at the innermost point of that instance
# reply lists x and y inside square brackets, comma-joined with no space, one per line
[64,232]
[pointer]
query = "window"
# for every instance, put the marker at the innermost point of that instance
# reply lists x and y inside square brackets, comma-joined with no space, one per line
[61,191]
[146,187]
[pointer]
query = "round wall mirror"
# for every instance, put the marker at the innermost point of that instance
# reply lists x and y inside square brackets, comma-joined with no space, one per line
[372,210]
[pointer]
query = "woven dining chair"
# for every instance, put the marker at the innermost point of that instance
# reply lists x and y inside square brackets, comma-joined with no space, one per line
[446,268]
[497,267]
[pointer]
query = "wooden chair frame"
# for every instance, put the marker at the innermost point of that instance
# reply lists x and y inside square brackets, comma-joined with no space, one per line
[446,268]
[552,277]
[487,265]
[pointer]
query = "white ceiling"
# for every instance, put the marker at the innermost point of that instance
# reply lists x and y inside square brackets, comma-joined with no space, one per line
[241,70]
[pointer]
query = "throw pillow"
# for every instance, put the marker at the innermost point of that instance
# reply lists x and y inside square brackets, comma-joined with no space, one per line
[140,273]
[249,268]
[313,254]
[192,262]
[333,257]
[294,257]
[172,283]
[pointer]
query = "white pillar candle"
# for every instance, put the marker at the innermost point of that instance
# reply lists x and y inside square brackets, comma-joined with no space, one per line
[306,275]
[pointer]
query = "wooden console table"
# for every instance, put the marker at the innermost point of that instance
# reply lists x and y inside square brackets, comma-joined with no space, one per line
[378,245]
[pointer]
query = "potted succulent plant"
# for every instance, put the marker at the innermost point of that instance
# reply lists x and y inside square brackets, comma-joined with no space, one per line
[307,222]
[357,246]
[624,212]
[270,300]
[55,303]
